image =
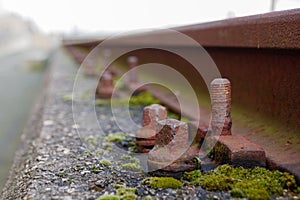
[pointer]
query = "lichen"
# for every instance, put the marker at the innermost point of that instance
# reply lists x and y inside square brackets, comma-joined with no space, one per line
[162,182]
[105,162]
[256,183]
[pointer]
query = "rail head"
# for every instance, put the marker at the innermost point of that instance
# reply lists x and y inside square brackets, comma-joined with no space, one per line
[276,30]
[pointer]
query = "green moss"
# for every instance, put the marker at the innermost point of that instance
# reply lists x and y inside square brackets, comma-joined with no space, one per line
[109,102]
[191,176]
[79,168]
[109,197]
[95,169]
[99,152]
[105,162]
[130,159]
[36,65]
[237,193]
[106,145]
[176,116]
[257,183]
[118,83]
[219,153]
[132,166]
[257,194]
[183,119]
[116,137]
[125,193]
[131,144]
[125,190]
[67,98]
[91,140]
[144,99]
[126,157]
[129,197]
[109,149]
[86,153]
[147,198]
[162,182]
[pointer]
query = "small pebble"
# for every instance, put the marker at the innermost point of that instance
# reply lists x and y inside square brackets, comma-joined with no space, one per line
[48,123]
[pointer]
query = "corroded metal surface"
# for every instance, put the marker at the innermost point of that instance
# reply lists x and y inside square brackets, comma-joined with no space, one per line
[261,57]
[172,151]
[147,135]
[278,30]
[221,105]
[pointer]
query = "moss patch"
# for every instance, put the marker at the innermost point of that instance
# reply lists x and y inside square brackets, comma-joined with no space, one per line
[67,97]
[257,183]
[132,167]
[109,102]
[142,99]
[105,162]
[176,116]
[162,182]
[95,169]
[123,193]
[116,137]
[109,197]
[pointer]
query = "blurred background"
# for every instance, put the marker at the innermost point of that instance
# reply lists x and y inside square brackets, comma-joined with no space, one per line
[31,30]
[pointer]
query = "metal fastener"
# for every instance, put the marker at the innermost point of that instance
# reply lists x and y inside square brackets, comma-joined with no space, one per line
[105,86]
[221,106]
[172,152]
[146,136]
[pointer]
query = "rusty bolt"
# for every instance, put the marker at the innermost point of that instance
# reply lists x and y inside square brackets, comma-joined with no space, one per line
[105,86]
[197,133]
[106,55]
[146,136]
[152,114]
[221,106]
[132,63]
[89,68]
[171,151]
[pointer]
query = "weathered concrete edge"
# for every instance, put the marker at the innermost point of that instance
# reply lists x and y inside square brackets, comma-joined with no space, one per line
[32,130]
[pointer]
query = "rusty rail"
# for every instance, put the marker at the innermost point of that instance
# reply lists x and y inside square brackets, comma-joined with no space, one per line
[260,55]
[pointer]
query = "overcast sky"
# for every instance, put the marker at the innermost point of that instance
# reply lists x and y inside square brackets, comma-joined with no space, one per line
[111,15]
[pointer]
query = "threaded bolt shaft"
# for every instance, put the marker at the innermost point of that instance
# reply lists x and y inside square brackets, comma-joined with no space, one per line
[221,106]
